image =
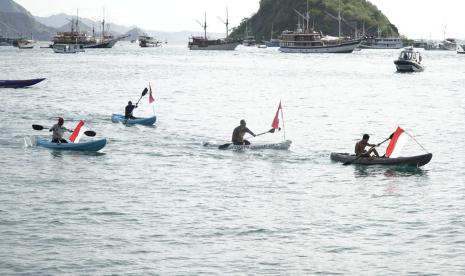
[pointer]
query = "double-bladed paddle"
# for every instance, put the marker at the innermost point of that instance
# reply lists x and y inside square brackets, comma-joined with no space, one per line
[361,155]
[89,133]
[144,92]
[225,146]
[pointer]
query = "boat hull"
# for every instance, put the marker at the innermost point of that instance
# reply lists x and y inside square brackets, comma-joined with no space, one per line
[339,48]
[218,47]
[84,146]
[413,161]
[118,118]
[408,66]
[285,145]
[19,83]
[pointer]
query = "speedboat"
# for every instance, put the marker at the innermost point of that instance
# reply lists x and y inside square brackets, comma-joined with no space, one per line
[409,61]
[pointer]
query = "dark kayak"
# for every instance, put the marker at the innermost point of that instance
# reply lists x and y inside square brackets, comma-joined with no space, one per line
[18,83]
[413,161]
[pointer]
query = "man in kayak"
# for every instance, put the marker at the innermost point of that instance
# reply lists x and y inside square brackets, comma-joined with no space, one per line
[128,110]
[362,144]
[58,131]
[239,132]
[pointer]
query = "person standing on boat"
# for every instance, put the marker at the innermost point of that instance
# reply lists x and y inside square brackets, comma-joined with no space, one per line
[239,132]
[128,110]
[58,131]
[362,144]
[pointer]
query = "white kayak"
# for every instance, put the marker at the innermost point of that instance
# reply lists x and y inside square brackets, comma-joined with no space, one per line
[284,145]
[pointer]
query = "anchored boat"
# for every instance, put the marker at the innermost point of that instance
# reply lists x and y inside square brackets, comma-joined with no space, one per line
[203,43]
[409,61]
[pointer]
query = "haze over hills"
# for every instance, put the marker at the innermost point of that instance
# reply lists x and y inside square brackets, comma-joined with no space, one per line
[16,21]
[283,16]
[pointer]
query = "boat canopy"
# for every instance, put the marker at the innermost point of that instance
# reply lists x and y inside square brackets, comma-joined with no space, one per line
[410,54]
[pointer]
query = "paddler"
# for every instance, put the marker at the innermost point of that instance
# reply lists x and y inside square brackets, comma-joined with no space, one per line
[239,132]
[128,110]
[58,131]
[362,144]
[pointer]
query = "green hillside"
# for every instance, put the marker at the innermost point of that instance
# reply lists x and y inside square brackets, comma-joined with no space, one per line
[280,13]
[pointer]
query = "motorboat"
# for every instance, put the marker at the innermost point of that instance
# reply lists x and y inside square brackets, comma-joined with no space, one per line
[409,61]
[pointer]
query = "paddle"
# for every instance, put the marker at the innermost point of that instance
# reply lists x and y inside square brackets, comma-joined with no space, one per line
[360,156]
[225,146]
[143,94]
[89,133]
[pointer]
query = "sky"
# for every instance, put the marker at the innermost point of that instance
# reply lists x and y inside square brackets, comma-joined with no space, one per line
[414,18]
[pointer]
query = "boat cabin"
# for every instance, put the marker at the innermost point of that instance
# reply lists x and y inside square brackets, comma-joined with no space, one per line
[301,38]
[410,55]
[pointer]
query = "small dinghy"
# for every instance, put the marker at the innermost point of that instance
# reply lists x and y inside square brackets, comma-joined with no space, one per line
[118,118]
[18,83]
[409,61]
[413,161]
[84,146]
[284,145]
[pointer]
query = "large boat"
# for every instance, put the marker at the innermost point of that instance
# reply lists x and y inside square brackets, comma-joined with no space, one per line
[203,43]
[310,41]
[381,43]
[75,36]
[148,41]
[409,61]
[249,39]
[307,40]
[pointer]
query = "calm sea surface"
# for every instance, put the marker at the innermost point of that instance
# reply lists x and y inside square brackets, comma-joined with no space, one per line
[155,201]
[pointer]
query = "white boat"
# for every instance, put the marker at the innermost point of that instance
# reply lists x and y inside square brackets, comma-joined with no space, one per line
[284,145]
[382,43]
[409,61]
[25,43]
[460,49]
[146,41]
[67,48]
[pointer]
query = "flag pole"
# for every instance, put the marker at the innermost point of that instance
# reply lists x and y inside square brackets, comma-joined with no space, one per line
[413,138]
[282,117]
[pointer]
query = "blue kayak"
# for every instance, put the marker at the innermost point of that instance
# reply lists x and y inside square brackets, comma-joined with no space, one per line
[84,146]
[18,83]
[117,118]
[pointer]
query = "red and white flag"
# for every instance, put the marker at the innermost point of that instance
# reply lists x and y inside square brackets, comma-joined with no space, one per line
[398,141]
[77,133]
[151,98]
[275,123]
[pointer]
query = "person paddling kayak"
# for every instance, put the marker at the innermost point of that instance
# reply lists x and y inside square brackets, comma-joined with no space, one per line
[58,131]
[128,110]
[362,144]
[239,132]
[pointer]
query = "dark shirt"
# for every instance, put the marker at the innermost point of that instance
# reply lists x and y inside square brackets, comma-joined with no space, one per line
[238,134]
[128,110]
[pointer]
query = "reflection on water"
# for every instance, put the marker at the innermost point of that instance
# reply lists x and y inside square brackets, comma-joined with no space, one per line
[391,171]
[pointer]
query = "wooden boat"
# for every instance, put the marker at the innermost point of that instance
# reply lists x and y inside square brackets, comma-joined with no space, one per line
[18,83]
[412,161]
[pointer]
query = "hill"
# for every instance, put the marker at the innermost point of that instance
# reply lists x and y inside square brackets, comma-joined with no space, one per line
[357,15]
[16,21]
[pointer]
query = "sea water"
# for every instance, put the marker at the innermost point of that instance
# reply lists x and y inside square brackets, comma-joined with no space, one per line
[155,201]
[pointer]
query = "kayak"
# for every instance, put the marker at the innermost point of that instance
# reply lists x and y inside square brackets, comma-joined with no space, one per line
[84,146]
[412,161]
[18,83]
[117,118]
[284,145]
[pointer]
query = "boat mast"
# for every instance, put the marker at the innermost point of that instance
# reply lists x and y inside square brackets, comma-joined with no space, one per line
[339,18]
[226,23]
[204,26]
